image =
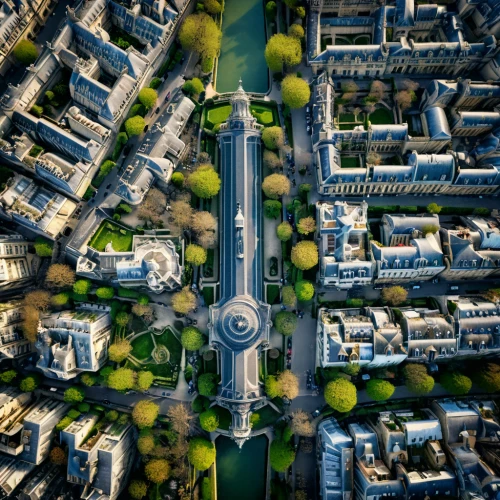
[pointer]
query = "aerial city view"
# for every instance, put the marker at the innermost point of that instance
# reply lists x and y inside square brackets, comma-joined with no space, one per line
[249,249]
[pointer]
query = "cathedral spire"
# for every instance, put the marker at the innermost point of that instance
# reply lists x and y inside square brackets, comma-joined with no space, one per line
[240,102]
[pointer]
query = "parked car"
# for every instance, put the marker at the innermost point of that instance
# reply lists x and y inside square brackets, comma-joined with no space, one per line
[416,287]
[167,97]
[453,288]
[157,110]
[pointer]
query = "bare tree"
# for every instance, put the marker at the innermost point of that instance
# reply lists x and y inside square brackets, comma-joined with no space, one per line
[302,425]
[181,418]
[373,158]
[404,98]
[207,239]
[203,221]
[153,206]
[377,89]
[410,84]
[60,275]
[356,112]
[181,213]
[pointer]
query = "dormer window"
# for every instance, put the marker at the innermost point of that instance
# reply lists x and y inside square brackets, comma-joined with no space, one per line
[430,54]
[443,177]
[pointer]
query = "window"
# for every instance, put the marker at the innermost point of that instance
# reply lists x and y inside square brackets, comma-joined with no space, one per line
[443,177]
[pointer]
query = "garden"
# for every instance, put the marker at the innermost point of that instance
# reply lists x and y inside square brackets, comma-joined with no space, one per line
[157,352]
[266,114]
[109,232]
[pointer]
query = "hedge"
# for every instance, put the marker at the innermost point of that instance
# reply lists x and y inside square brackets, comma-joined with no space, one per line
[127,293]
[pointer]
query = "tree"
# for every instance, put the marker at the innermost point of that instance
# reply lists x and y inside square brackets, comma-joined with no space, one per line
[395,295]
[296,31]
[112,415]
[8,376]
[199,33]
[209,420]
[404,98]
[207,384]
[282,50]
[144,380]
[43,247]
[487,377]
[58,456]
[434,208]
[272,209]
[304,290]
[295,91]
[201,453]
[157,470]
[177,179]
[38,299]
[203,221]
[146,443]
[74,395]
[184,301]
[60,299]
[271,11]
[153,206]
[147,97]
[143,311]
[26,52]
[88,379]
[122,319]
[137,489]
[181,213]
[284,231]
[119,351]
[122,379]
[285,322]
[341,395]
[305,255]
[275,186]
[417,379]
[273,138]
[410,85]
[204,182]
[29,383]
[144,413]
[195,255]
[373,159]
[31,317]
[180,419]
[379,390]
[212,6]
[302,425]
[301,12]
[193,87]
[105,292]
[60,275]
[377,89]
[191,338]
[272,160]
[306,225]
[283,385]
[289,297]
[135,125]
[456,383]
[82,287]
[429,229]
[281,455]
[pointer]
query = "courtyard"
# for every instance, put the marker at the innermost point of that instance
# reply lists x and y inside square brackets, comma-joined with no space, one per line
[109,232]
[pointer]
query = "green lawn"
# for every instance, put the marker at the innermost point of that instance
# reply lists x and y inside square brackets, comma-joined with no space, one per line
[217,115]
[208,295]
[169,340]
[266,115]
[381,116]
[267,417]
[349,162]
[108,232]
[142,346]
[273,294]
[224,417]
[274,365]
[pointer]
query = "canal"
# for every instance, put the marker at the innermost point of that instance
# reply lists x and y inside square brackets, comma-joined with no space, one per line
[242,47]
[241,473]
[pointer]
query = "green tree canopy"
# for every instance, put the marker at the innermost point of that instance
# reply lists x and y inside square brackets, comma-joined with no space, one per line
[25,52]
[201,453]
[184,301]
[204,182]
[271,10]
[144,380]
[281,455]
[295,91]
[273,138]
[341,395]
[395,295]
[8,376]
[177,179]
[193,86]
[283,385]
[284,231]
[379,390]
[119,351]
[272,209]
[212,6]
[305,255]
[137,489]
[29,383]
[289,297]
[60,299]
[209,420]
[122,318]
[199,33]
[275,186]
[434,208]
[304,290]
[82,287]
[301,12]
[122,379]
[157,470]
[43,247]
[306,225]
[191,338]
[135,125]
[456,383]
[195,254]
[296,31]
[285,322]
[145,413]
[105,292]
[88,379]
[282,50]
[417,379]
[487,377]
[147,97]
[146,443]
[74,395]
[207,384]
